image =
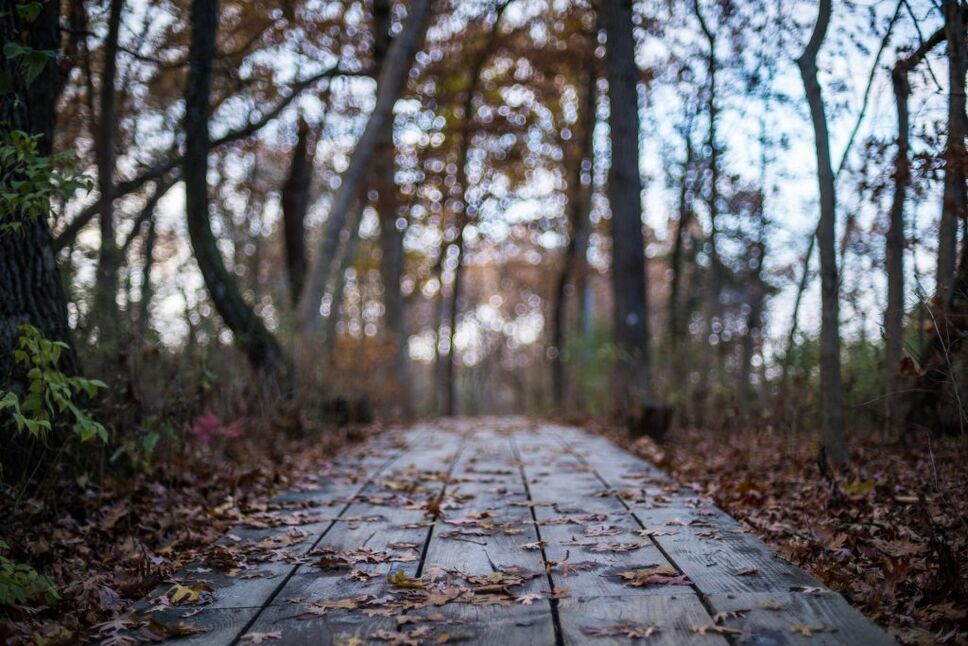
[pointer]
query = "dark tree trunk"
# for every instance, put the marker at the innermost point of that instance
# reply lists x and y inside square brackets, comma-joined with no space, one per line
[109,257]
[147,290]
[625,199]
[685,213]
[295,205]
[714,280]
[831,389]
[30,285]
[954,207]
[894,250]
[255,340]
[579,207]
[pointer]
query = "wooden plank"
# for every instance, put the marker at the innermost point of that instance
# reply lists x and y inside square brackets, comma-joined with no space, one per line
[565,489]
[401,499]
[674,616]
[783,617]
[488,485]
[250,594]
[716,552]
[739,575]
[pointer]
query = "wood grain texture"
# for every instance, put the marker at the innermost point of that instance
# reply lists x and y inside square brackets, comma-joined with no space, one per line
[463,498]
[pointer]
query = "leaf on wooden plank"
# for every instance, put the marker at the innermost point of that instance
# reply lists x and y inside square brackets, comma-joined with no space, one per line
[653,575]
[625,629]
[528,599]
[537,545]
[807,630]
[615,547]
[260,638]
[747,571]
[399,579]
[707,629]
[183,595]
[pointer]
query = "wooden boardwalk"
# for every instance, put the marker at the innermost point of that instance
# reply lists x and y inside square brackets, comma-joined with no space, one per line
[500,531]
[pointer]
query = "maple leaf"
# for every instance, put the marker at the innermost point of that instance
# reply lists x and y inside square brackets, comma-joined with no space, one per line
[747,571]
[183,595]
[528,599]
[721,617]
[258,638]
[770,604]
[537,545]
[625,629]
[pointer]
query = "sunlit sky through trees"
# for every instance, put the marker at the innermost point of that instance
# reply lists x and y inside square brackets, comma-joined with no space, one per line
[761,120]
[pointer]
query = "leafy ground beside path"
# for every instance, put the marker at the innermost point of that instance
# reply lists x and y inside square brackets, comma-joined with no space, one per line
[891,534]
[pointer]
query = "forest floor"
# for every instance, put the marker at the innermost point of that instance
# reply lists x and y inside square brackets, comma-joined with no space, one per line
[890,534]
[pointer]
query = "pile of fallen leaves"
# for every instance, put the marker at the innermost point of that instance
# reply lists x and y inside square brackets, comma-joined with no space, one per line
[890,533]
[105,544]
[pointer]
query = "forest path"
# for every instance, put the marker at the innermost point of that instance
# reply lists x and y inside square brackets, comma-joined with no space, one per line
[501,531]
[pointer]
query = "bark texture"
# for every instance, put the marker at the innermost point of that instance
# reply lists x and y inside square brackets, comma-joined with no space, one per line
[30,285]
[255,340]
[625,199]
[109,255]
[831,388]
[295,206]
[954,207]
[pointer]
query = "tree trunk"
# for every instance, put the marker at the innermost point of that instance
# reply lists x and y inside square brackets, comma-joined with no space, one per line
[685,213]
[462,214]
[714,281]
[109,257]
[346,259]
[295,206]
[144,305]
[393,78]
[894,251]
[831,389]
[579,208]
[391,235]
[625,199]
[954,207]
[256,341]
[30,285]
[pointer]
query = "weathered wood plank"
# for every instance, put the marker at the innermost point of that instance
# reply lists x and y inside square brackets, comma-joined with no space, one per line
[250,594]
[780,618]
[726,562]
[566,489]
[673,615]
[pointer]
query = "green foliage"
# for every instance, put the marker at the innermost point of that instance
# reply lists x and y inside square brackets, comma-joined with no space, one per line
[28,180]
[51,394]
[20,583]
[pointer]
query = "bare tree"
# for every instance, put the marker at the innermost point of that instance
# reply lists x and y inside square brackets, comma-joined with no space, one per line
[831,389]
[625,199]
[255,340]
[954,207]
[109,256]
[579,208]
[393,78]
[391,235]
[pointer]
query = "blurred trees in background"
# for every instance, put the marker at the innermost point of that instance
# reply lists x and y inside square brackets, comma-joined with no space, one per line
[442,207]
